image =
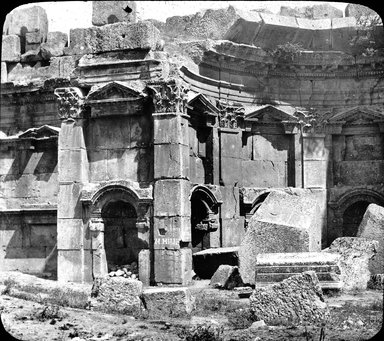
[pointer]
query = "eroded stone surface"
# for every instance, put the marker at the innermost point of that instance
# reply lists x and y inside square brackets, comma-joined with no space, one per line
[320,11]
[226,277]
[117,294]
[372,227]
[110,12]
[297,299]
[10,48]
[354,261]
[283,223]
[172,302]
[119,36]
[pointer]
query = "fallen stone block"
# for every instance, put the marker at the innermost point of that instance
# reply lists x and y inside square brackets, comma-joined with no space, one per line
[117,294]
[10,48]
[355,10]
[171,302]
[372,227]
[31,56]
[110,12]
[31,19]
[119,36]
[355,255]
[320,11]
[297,299]
[283,223]
[226,277]
[206,262]
[275,267]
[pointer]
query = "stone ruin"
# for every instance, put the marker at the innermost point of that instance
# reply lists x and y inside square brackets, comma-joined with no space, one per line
[127,143]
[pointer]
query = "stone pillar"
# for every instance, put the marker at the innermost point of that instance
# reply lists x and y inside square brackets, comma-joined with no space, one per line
[72,173]
[172,207]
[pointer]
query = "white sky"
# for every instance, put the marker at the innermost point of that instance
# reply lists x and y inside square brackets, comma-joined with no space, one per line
[63,15]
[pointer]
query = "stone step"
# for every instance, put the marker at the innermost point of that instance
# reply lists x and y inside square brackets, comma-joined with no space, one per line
[276,267]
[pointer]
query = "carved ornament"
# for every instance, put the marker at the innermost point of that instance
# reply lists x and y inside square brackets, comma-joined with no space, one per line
[71,102]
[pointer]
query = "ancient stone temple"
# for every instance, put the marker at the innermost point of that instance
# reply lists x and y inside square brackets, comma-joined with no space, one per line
[127,146]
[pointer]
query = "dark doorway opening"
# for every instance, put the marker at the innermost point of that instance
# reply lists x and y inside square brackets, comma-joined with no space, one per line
[199,216]
[121,241]
[352,218]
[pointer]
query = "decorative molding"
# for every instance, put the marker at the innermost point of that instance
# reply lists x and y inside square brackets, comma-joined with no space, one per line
[229,114]
[71,102]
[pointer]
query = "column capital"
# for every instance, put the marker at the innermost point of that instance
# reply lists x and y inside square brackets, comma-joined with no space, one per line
[71,102]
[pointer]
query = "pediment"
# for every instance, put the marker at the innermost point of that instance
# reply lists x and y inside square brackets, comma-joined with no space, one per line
[202,104]
[42,132]
[115,91]
[270,113]
[356,116]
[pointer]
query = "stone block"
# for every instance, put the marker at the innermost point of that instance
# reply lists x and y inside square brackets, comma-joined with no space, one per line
[172,198]
[170,231]
[315,173]
[119,36]
[144,263]
[355,254]
[275,267]
[356,10]
[71,135]
[264,173]
[206,262]
[31,56]
[62,67]
[173,266]
[231,170]
[122,164]
[10,48]
[73,165]
[68,201]
[283,223]
[295,300]
[54,47]
[226,277]
[69,266]
[21,21]
[97,165]
[171,161]
[170,128]
[110,12]
[117,294]
[169,302]
[233,231]
[4,72]
[70,234]
[33,40]
[372,227]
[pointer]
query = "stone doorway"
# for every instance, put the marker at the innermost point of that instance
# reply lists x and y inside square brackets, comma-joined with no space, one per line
[121,242]
[352,218]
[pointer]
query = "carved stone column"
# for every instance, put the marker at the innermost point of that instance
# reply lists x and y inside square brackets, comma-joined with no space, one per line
[172,208]
[72,173]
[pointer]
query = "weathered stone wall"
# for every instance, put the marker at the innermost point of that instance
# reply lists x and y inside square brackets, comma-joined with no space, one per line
[119,149]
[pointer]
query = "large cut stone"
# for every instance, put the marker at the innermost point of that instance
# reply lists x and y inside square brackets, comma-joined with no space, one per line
[117,294]
[110,12]
[226,277]
[355,255]
[10,48]
[31,19]
[275,267]
[119,36]
[297,299]
[283,223]
[355,10]
[321,11]
[172,302]
[372,227]
[206,262]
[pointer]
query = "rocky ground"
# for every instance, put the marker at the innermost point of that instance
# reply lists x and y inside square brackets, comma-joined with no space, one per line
[219,315]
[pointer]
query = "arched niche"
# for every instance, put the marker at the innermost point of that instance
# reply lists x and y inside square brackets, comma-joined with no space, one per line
[349,209]
[205,204]
[118,216]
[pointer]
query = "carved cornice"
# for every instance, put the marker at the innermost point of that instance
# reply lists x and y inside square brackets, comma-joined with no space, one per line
[71,102]
[169,96]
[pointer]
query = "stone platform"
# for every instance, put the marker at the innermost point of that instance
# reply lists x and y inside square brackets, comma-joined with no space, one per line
[276,267]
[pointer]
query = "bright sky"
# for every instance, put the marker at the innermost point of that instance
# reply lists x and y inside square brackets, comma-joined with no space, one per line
[63,15]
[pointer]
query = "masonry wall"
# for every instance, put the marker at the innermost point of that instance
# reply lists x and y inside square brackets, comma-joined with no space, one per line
[119,148]
[28,198]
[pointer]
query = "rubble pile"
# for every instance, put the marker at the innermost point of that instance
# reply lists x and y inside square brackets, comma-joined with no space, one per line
[127,270]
